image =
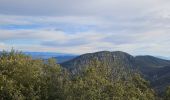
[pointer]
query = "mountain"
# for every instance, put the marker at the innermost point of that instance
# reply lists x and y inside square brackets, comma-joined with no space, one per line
[61,57]
[113,59]
[46,55]
[154,69]
[150,61]
[149,64]
[64,58]
[162,57]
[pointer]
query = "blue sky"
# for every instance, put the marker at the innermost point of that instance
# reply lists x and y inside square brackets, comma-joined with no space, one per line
[138,27]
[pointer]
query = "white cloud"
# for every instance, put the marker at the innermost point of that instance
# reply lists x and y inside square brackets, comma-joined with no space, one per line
[154,42]
[80,26]
[80,7]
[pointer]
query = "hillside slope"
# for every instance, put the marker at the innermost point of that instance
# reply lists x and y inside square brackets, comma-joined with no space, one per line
[113,59]
[156,70]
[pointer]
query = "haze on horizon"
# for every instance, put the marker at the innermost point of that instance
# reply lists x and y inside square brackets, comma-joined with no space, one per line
[81,26]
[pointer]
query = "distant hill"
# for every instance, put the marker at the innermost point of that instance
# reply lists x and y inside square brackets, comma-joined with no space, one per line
[61,57]
[64,58]
[117,58]
[150,61]
[154,69]
[162,57]
[46,55]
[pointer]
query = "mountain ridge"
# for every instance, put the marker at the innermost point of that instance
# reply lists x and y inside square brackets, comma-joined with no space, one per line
[154,69]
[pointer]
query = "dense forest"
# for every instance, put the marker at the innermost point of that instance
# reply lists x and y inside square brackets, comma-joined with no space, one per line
[24,78]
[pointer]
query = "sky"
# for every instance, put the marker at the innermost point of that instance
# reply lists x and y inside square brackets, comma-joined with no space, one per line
[139,27]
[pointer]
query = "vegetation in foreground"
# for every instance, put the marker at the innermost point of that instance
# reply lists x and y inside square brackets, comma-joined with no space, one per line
[24,78]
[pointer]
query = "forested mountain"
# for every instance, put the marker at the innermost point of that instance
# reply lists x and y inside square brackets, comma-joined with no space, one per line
[64,58]
[156,70]
[117,58]
[150,61]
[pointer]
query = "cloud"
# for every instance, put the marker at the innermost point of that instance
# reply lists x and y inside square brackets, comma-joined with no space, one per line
[78,43]
[80,8]
[71,42]
[74,26]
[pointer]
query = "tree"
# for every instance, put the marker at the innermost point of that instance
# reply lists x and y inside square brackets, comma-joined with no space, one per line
[96,83]
[167,93]
[23,78]
[56,80]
